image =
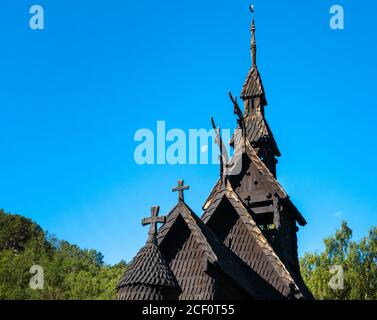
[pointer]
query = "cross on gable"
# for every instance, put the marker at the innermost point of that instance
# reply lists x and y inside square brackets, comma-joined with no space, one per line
[153,221]
[180,188]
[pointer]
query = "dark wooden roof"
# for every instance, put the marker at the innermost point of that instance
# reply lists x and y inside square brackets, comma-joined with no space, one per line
[147,272]
[216,253]
[263,170]
[256,126]
[265,173]
[253,86]
[258,131]
[278,276]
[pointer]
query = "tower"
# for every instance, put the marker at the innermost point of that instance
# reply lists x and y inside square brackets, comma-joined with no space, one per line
[257,129]
[251,173]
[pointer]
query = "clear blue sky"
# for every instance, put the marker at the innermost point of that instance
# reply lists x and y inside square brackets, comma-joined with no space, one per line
[73,95]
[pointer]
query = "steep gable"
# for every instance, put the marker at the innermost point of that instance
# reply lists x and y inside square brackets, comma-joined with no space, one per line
[246,240]
[201,263]
[254,180]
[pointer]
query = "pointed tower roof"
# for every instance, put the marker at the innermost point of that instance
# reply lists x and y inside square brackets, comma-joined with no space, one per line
[148,277]
[257,129]
[253,86]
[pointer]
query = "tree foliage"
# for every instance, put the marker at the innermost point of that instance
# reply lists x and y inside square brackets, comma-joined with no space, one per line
[69,272]
[357,259]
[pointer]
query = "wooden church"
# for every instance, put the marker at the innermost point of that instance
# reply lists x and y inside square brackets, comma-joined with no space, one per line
[245,244]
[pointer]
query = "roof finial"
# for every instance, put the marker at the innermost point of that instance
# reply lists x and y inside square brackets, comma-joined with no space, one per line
[251,7]
[223,157]
[253,42]
[152,221]
[180,188]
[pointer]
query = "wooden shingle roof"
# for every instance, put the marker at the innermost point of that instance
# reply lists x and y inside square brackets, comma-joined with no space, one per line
[193,222]
[263,170]
[217,254]
[253,86]
[148,267]
[147,272]
[257,129]
[265,173]
[256,126]
[278,276]
[274,183]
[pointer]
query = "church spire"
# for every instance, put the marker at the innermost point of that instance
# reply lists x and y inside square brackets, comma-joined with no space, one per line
[257,129]
[253,42]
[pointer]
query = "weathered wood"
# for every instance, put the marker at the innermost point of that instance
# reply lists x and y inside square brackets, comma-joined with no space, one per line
[223,157]
[180,188]
[153,221]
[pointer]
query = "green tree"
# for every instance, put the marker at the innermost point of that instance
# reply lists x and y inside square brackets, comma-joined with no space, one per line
[16,231]
[69,271]
[357,259]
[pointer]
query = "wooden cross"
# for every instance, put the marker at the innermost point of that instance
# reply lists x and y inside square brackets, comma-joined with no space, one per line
[153,221]
[180,188]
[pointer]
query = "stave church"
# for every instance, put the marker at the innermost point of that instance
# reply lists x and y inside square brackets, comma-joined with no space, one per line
[244,244]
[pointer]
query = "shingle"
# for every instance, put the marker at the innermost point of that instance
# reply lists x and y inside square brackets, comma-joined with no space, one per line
[262,258]
[215,252]
[148,274]
[253,86]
